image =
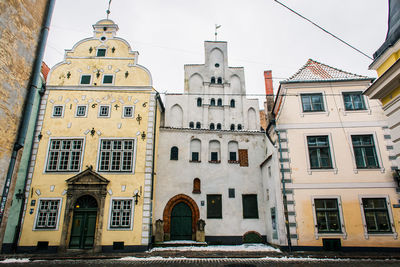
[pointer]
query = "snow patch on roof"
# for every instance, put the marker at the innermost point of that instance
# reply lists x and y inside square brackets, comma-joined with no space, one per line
[13,260]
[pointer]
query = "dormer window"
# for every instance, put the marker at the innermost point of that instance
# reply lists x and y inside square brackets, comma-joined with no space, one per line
[101,52]
[212,79]
[219,80]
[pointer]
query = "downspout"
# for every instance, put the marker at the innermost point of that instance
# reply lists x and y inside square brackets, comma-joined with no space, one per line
[28,106]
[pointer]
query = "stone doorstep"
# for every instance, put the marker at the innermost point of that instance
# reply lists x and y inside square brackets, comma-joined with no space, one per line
[180,244]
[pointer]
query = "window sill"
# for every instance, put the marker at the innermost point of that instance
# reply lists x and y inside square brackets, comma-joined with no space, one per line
[214,161]
[356,170]
[392,234]
[314,113]
[334,170]
[120,229]
[338,234]
[233,161]
[195,161]
[214,218]
[196,192]
[357,111]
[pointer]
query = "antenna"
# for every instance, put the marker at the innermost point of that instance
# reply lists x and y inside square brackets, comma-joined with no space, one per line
[108,10]
[216,27]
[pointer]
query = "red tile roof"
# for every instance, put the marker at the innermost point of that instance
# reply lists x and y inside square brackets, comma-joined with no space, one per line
[45,70]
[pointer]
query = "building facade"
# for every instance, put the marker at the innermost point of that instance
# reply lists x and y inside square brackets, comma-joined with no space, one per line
[90,179]
[335,164]
[209,155]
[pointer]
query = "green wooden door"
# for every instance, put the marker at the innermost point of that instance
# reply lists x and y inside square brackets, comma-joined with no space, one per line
[83,229]
[181,222]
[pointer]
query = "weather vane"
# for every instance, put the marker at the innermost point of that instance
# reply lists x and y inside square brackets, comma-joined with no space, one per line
[216,27]
[108,10]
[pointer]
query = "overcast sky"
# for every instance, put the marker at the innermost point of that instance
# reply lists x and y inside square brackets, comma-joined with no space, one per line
[261,34]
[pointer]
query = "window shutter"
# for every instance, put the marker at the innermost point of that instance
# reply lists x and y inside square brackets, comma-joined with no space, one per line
[243,158]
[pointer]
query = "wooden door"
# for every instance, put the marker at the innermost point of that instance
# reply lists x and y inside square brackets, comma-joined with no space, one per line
[181,222]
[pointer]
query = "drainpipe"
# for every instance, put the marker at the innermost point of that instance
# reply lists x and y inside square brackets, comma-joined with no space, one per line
[28,105]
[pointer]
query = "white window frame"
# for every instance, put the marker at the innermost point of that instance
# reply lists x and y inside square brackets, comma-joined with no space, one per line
[80,79]
[58,214]
[106,74]
[365,98]
[105,48]
[117,172]
[331,150]
[109,111]
[389,207]
[62,111]
[377,150]
[86,111]
[109,227]
[302,113]
[64,138]
[123,112]
[317,235]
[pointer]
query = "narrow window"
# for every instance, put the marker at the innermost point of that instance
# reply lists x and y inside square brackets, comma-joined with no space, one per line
[101,52]
[243,158]
[364,151]
[108,79]
[232,103]
[353,101]
[128,112]
[312,102]
[231,192]
[121,213]
[212,102]
[327,215]
[58,111]
[191,124]
[232,127]
[212,126]
[218,126]
[80,111]
[212,79]
[85,79]
[215,151]
[199,102]
[214,156]
[195,149]
[174,153]
[196,186]
[104,111]
[376,215]
[250,207]
[47,215]
[198,125]
[239,127]
[219,80]
[219,102]
[232,150]
[116,155]
[214,206]
[319,151]
[64,155]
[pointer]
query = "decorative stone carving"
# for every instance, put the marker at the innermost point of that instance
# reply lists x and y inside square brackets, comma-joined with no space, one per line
[159,236]
[200,233]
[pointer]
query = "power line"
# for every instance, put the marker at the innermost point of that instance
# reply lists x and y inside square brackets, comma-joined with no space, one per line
[316,25]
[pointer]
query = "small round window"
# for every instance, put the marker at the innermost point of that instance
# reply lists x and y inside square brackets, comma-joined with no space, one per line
[103,38]
[216,65]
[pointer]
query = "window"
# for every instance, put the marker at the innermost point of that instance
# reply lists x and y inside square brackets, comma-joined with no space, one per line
[376,215]
[214,148]
[64,155]
[196,186]
[116,155]
[195,148]
[128,112]
[319,152]
[104,111]
[214,206]
[108,79]
[212,79]
[218,126]
[212,102]
[174,153]
[85,79]
[232,103]
[312,102]
[219,102]
[353,101]
[199,102]
[198,125]
[219,80]
[212,126]
[232,127]
[58,111]
[232,156]
[191,124]
[364,151]
[214,156]
[81,111]
[327,215]
[101,52]
[239,127]
[250,207]
[121,213]
[231,192]
[47,215]
[232,149]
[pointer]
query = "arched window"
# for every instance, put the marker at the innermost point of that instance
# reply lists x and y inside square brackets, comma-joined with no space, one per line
[239,127]
[212,79]
[232,127]
[218,126]
[219,102]
[212,102]
[196,186]
[174,153]
[233,151]
[198,125]
[232,103]
[199,102]
[191,124]
[215,151]
[212,126]
[219,80]
[195,149]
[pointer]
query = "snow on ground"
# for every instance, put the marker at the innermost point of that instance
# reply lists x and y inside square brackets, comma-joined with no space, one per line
[252,259]
[244,247]
[183,242]
[12,260]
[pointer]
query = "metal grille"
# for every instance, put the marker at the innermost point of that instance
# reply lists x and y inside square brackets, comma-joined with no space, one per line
[47,214]
[128,112]
[64,155]
[104,111]
[57,111]
[121,213]
[81,111]
[116,155]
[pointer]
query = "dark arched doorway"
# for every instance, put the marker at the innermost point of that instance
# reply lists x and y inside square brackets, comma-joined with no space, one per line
[84,223]
[181,222]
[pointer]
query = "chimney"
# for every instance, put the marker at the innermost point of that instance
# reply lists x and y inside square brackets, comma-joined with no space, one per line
[269,92]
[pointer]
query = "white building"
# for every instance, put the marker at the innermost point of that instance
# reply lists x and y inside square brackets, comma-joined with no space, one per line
[210,150]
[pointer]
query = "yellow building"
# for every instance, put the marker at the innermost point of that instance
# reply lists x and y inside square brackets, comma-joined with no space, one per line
[92,170]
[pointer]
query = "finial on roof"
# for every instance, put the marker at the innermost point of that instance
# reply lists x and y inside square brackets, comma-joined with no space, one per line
[108,10]
[216,27]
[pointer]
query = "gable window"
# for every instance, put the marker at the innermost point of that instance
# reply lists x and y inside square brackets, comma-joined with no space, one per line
[199,102]
[327,215]
[47,214]
[364,151]
[85,79]
[232,127]
[195,149]
[218,126]
[128,112]
[108,79]
[212,126]
[312,102]
[191,124]
[212,102]
[121,213]
[239,127]
[174,153]
[214,148]
[214,206]
[250,207]
[219,102]
[58,111]
[319,152]
[116,155]
[219,80]
[232,103]
[64,155]
[198,125]
[81,111]
[101,52]
[104,111]
[353,101]
[212,79]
